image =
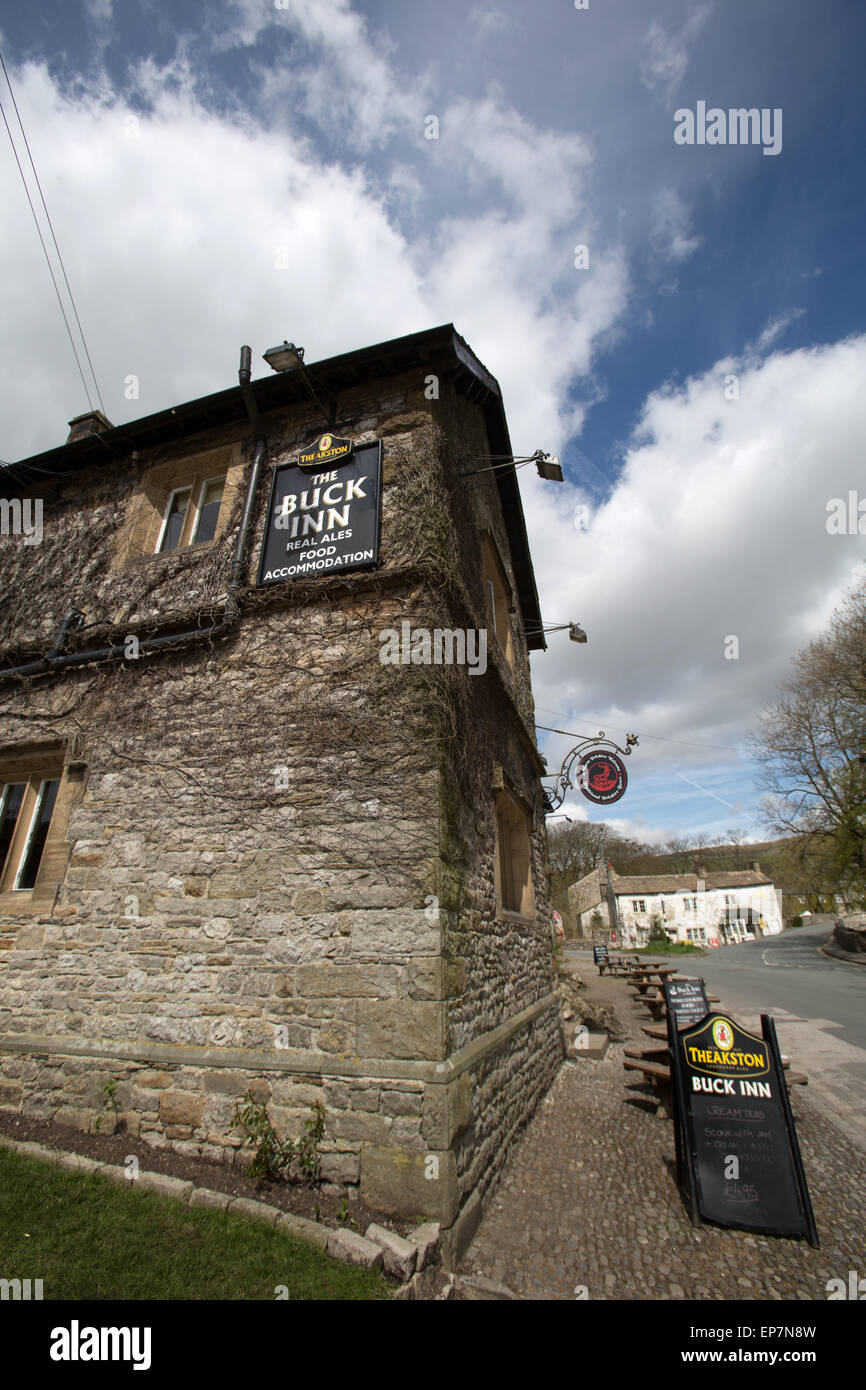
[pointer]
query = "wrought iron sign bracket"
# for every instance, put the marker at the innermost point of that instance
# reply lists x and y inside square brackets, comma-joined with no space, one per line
[551,798]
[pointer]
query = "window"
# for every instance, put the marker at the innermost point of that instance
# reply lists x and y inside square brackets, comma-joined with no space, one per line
[35,797]
[191,526]
[37,834]
[730,900]
[179,503]
[638,905]
[175,516]
[690,904]
[207,515]
[498,595]
[513,873]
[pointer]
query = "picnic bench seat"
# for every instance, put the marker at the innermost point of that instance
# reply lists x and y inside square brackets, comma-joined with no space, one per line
[658,1073]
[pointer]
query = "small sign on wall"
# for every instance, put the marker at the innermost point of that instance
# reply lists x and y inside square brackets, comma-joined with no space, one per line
[321,522]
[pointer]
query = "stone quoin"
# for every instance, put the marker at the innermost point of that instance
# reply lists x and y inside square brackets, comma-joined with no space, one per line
[237,850]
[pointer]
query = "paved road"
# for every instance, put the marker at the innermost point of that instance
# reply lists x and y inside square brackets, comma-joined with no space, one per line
[819,1005]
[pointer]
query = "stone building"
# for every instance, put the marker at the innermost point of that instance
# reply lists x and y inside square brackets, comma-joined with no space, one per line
[715,909]
[241,846]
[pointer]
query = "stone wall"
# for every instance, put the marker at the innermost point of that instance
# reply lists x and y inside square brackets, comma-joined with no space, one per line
[281,860]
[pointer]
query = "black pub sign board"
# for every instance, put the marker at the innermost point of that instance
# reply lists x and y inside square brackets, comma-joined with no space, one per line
[323,512]
[737,1151]
[688,1000]
[599,954]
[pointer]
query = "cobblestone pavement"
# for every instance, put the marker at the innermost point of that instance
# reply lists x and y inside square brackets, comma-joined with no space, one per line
[590,1198]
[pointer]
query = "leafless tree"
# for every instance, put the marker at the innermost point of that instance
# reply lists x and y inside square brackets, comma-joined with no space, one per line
[811,746]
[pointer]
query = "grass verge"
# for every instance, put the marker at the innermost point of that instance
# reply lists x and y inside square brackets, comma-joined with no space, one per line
[89,1238]
[665,948]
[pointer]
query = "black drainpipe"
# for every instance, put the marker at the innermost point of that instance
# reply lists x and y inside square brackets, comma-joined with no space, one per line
[57,660]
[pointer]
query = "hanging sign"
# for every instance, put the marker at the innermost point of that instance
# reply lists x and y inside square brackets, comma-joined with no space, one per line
[601,776]
[323,522]
[737,1150]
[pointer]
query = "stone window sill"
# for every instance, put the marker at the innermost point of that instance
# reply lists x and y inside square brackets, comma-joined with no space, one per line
[517,918]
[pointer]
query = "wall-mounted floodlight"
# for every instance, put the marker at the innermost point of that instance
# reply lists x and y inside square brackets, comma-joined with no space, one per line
[548,468]
[576,633]
[285,357]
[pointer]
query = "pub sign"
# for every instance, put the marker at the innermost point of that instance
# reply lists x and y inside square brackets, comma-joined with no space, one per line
[323,517]
[738,1156]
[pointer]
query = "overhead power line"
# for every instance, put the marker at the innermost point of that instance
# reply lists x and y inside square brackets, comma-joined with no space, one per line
[657,738]
[56,246]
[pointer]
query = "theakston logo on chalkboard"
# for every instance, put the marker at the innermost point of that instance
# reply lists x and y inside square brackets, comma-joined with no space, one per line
[722,1049]
[328,448]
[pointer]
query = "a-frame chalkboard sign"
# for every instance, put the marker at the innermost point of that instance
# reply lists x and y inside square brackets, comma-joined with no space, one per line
[738,1159]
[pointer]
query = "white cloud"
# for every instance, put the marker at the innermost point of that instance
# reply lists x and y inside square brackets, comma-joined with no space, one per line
[170,218]
[667,56]
[351,86]
[716,528]
[487,19]
[774,330]
[670,227]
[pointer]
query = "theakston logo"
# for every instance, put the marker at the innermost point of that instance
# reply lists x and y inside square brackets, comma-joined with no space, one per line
[76,1343]
[737,126]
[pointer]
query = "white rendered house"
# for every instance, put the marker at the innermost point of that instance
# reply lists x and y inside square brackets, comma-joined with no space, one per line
[712,909]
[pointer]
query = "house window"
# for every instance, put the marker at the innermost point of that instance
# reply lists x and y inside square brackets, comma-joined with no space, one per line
[730,900]
[513,873]
[180,503]
[638,905]
[174,520]
[691,904]
[184,524]
[208,510]
[34,804]
[498,595]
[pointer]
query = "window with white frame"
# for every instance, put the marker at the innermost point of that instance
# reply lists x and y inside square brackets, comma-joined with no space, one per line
[191,515]
[207,511]
[26,810]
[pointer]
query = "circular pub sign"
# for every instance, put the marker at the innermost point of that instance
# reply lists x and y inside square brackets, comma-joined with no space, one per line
[602,777]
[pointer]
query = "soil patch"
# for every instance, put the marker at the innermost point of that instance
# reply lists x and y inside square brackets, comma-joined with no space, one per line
[311,1202]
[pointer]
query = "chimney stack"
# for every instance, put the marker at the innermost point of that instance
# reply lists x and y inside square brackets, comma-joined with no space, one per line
[91,422]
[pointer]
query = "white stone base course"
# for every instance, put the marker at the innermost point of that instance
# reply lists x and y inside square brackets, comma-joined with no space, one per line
[346,1245]
[400,1255]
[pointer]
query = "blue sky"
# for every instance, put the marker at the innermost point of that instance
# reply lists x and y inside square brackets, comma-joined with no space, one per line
[179,145]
